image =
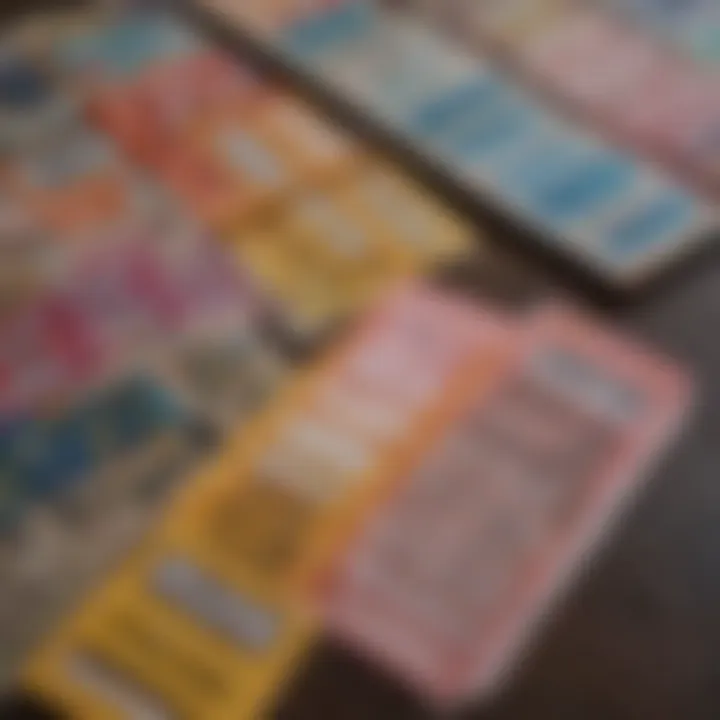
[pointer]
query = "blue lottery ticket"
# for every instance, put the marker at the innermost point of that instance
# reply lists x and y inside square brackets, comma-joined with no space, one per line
[582,194]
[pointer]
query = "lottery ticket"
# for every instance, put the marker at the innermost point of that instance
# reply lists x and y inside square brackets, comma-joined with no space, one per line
[447,579]
[572,186]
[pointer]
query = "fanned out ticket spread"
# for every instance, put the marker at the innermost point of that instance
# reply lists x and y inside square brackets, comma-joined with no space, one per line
[207,618]
[446,579]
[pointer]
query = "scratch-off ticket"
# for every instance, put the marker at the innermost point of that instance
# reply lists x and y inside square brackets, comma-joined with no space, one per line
[447,579]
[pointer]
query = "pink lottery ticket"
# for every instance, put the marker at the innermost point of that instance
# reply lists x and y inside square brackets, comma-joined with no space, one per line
[447,579]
